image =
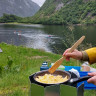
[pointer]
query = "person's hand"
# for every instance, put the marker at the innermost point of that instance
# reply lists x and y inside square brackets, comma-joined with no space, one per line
[75,54]
[93,79]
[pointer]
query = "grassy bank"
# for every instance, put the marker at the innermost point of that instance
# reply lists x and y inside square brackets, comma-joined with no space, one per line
[17,63]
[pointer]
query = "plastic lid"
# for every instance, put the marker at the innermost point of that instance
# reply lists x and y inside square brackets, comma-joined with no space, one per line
[61,67]
[52,64]
[85,63]
[44,63]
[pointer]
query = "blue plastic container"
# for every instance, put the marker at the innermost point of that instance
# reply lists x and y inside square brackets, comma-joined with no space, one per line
[67,68]
[44,66]
[86,84]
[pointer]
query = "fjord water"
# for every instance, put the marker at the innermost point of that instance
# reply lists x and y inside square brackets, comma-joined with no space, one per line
[50,38]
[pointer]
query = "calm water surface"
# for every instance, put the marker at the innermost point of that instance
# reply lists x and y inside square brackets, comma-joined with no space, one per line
[49,38]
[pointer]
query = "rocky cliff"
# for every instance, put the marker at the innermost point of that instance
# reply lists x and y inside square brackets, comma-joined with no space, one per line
[22,8]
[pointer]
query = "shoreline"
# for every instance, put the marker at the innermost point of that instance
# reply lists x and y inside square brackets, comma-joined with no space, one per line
[16,23]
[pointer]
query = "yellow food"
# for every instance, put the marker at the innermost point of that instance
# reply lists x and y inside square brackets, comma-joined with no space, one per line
[51,79]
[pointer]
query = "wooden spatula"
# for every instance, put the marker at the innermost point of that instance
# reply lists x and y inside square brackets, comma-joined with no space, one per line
[58,62]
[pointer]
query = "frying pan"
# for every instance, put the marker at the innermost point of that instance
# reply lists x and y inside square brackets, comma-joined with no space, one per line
[63,74]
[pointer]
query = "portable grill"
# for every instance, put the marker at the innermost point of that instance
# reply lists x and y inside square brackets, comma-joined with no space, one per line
[67,89]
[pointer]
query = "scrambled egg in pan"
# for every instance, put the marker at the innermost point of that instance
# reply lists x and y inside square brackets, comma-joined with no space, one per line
[51,79]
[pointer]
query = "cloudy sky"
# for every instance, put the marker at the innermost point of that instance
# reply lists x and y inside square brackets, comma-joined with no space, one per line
[39,2]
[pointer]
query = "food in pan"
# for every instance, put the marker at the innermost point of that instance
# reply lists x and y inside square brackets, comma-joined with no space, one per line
[51,79]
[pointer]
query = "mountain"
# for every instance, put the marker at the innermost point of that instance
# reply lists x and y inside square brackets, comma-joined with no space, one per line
[22,8]
[66,12]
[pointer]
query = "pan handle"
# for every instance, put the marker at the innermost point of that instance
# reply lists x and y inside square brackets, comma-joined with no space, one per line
[76,80]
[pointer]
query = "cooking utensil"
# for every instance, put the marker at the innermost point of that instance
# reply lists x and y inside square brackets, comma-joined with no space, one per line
[58,62]
[63,74]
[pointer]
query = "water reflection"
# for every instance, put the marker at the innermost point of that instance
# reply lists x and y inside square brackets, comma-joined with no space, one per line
[48,38]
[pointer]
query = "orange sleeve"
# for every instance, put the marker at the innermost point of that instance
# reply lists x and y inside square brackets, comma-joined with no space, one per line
[91,54]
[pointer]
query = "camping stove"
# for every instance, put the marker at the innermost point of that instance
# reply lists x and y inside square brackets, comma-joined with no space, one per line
[56,90]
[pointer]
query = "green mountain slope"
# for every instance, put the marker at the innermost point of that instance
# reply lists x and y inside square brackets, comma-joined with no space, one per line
[66,12]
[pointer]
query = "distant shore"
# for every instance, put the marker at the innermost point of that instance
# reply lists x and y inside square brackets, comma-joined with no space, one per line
[49,24]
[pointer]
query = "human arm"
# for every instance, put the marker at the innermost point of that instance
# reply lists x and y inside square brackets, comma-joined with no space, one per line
[79,55]
[87,55]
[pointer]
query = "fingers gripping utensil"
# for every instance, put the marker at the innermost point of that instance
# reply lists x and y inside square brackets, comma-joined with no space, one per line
[58,62]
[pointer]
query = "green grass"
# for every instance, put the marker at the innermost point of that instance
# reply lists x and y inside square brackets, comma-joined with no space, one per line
[14,76]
